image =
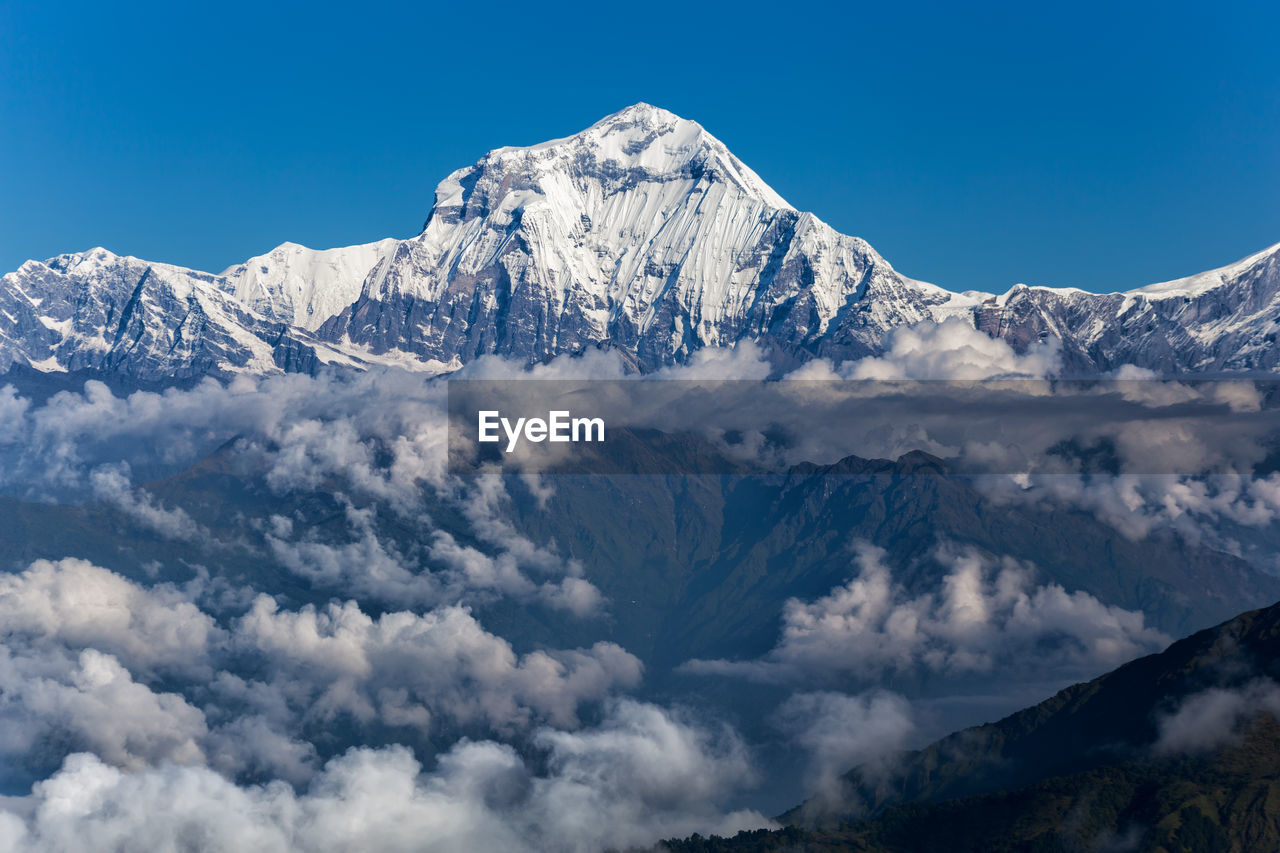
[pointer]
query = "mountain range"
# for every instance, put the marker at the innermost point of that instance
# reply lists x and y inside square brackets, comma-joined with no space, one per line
[644,234]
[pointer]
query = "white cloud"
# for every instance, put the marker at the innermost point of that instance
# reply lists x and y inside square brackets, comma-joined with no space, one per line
[984,617]
[1212,718]
[485,506]
[13,414]
[840,733]
[953,349]
[405,669]
[641,776]
[743,360]
[90,702]
[380,436]
[364,566]
[112,485]
[142,677]
[74,604]
[471,569]
[85,650]
[1200,509]
[304,429]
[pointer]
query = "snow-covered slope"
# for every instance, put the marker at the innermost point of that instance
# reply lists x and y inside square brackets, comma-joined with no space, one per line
[100,311]
[304,287]
[1222,320]
[1202,283]
[97,310]
[642,232]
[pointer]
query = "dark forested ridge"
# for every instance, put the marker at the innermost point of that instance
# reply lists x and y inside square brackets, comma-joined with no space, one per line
[1100,766]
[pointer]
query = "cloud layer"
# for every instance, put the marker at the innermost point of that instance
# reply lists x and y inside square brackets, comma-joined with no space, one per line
[986,617]
[360,683]
[141,675]
[640,776]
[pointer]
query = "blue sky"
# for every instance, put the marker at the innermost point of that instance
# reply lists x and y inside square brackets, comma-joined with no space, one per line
[974,145]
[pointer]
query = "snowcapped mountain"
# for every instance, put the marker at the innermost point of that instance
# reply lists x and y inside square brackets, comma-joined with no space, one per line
[303,287]
[642,232]
[1222,320]
[99,311]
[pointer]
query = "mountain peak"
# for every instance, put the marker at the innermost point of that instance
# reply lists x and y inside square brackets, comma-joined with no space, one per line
[641,121]
[640,143]
[643,113]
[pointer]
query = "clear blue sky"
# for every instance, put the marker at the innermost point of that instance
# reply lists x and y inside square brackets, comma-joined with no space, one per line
[972,145]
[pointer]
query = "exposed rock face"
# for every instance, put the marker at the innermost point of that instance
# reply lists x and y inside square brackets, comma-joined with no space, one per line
[98,311]
[1220,320]
[643,233]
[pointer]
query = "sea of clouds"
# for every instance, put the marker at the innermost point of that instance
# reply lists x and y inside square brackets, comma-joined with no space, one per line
[168,707]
